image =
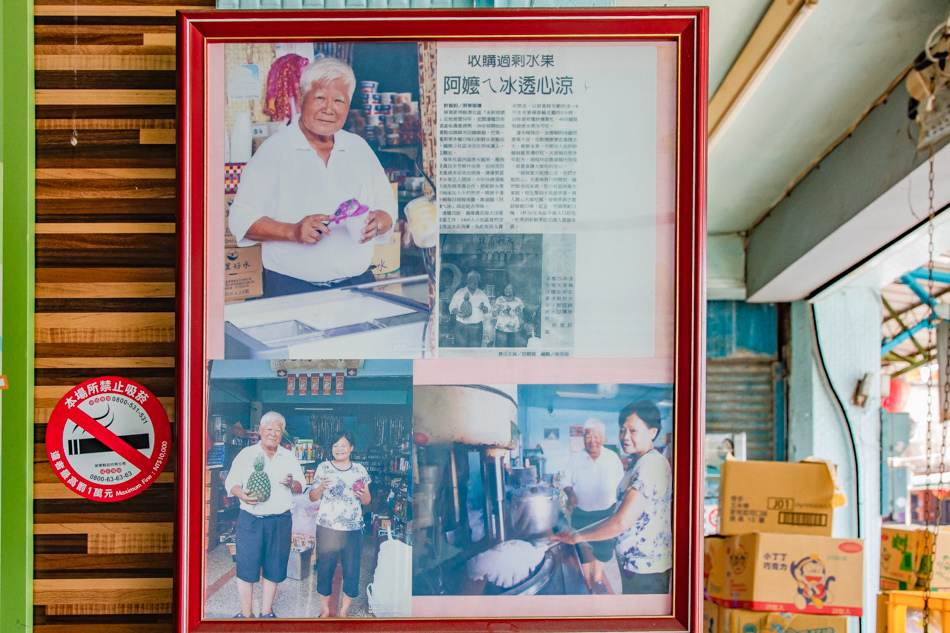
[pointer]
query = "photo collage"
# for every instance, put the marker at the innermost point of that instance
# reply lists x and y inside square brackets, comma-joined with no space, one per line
[444,370]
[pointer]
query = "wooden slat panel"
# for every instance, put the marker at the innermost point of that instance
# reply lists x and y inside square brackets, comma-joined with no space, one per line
[105,174]
[64,543]
[130,543]
[104,62]
[104,275]
[105,327]
[141,608]
[166,11]
[106,227]
[106,97]
[105,250]
[104,124]
[105,290]
[157,137]
[43,475]
[119,210]
[101,350]
[73,80]
[67,50]
[96,627]
[166,529]
[44,518]
[155,39]
[49,395]
[99,190]
[79,563]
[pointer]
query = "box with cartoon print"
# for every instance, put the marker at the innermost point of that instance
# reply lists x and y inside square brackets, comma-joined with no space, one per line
[789,572]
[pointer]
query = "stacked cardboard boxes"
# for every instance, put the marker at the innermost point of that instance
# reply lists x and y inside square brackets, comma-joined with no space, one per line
[906,561]
[774,565]
[243,268]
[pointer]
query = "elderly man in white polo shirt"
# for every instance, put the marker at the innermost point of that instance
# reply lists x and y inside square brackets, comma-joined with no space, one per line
[298,178]
[264,528]
[591,482]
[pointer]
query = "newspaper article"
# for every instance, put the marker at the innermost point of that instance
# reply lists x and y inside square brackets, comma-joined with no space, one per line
[555,142]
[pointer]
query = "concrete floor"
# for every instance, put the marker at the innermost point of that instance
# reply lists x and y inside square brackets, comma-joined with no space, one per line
[295,598]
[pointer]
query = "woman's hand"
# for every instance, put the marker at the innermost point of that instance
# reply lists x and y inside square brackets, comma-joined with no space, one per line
[569,537]
[363,495]
[316,493]
[377,222]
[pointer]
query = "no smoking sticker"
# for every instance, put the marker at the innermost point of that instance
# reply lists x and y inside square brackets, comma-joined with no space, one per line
[108,439]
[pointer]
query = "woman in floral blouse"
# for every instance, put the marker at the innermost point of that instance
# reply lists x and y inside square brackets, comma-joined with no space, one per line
[642,518]
[343,491]
[509,313]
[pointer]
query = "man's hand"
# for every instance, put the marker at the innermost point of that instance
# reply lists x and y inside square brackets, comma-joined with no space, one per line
[311,229]
[287,481]
[246,497]
[571,501]
[376,222]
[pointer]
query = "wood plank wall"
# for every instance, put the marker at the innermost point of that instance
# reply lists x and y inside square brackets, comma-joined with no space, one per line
[105,288]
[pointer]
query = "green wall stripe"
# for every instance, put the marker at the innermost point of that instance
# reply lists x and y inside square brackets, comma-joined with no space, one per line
[16,402]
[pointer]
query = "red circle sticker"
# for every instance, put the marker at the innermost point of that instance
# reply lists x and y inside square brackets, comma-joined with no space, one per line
[108,439]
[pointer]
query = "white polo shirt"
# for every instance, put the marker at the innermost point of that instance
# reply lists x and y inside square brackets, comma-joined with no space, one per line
[276,467]
[286,180]
[477,299]
[594,481]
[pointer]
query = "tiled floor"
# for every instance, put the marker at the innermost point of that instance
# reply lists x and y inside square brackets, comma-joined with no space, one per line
[295,598]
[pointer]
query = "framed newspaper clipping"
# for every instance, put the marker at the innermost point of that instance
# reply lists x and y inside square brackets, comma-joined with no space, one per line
[441,320]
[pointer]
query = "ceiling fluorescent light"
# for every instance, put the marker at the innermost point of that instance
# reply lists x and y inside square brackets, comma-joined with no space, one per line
[313,408]
[771,37]
[579,394]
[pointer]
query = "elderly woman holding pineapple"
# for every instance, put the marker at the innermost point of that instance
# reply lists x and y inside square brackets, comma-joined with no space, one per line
[264,477]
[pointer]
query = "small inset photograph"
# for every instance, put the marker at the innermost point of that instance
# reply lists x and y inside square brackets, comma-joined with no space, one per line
[526,491]
[328,211]
[490,290]
[307,488]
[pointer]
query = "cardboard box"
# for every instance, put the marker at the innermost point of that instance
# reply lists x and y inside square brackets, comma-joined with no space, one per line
[788,572]
[778,497]
[710,518]
[229,240]
[941,554]
[712,552]
[710,617]
[243,260]
[386,257]
[243,270]
[901,550]
[743,621]
[241,286]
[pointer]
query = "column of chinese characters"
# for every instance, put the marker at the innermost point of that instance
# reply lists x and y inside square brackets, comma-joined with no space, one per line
[543,184]
[558,301]
[471,166]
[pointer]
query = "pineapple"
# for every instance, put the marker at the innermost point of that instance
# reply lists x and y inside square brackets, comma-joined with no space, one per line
[465,310]
[258,484]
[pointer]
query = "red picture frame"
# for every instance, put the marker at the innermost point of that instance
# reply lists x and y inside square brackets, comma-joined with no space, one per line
[687,28]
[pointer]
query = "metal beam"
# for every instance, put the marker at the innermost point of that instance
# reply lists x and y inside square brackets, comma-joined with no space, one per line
[859,199]
[776,29]
[925,275]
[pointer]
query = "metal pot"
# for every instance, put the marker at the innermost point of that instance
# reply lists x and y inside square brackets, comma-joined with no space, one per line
[533,511]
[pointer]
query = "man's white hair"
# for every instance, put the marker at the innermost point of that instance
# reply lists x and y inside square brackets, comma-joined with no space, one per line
[594,423]
[326,69]
[272,417]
